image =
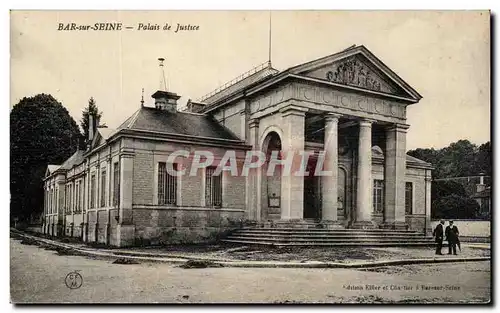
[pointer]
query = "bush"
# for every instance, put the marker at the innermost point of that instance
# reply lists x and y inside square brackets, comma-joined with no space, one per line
[455,207]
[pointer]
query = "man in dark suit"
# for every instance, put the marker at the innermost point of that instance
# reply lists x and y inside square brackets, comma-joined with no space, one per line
[451,233]
[438,234]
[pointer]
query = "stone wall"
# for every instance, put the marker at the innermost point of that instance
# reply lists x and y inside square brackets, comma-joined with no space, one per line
[172,225]
[77,220]
[417,222]
[469,229]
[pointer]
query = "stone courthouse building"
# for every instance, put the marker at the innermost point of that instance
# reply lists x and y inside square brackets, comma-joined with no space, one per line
[348,107]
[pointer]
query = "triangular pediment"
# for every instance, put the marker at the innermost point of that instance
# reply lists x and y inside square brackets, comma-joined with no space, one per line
[96,141]
[100,136]
[357,67]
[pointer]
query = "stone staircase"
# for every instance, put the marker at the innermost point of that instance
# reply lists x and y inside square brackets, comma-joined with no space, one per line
[327,237]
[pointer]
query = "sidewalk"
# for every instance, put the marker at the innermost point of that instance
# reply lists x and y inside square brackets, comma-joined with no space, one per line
[265,257]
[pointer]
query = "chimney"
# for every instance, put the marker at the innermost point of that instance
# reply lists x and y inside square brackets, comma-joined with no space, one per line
[195,107]
[165,100]
[91,127]
[481,186]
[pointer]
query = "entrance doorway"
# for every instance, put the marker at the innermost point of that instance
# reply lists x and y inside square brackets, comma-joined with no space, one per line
[312,191]
[271,184]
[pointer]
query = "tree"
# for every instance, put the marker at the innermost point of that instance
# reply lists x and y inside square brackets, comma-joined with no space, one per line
[461,158]
[458,159]
[483,159]
[41,132]
[455,207]
[452,198]
[84,122]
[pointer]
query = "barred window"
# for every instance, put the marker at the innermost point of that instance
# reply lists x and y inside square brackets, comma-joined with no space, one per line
[213,188]
[103,188]
[167,185]
[378,196]
[409,198]
[116,184]
[92,191]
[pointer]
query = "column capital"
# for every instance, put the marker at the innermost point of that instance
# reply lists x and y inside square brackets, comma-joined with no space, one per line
[366,122]
[332,116]
[398,127]
[293,110]
[253,123]
[127,153]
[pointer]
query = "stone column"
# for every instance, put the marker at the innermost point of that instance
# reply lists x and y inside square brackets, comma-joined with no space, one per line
[329,183]
[253,186]
[85,216]
[292,187]
[395,170]
[45,201]
[364,206]
[428,184]
[125,228]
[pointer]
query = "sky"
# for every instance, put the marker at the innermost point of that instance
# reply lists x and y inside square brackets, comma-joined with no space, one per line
[444,55]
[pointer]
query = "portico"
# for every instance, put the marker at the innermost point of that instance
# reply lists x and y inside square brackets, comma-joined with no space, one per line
[347,112]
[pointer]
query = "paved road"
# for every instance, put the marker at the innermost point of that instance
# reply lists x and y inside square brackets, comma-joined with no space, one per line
[38,275]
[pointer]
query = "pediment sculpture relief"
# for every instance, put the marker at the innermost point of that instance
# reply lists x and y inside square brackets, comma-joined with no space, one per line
[354,72]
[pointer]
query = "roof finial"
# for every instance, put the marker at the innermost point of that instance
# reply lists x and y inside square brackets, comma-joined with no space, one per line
[142,98]
[270,37]
[163,81]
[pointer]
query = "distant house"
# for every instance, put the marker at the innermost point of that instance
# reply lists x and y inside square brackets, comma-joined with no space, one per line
[483,197]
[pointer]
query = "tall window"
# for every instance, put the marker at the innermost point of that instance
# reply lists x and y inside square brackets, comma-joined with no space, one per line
[77,196]
[378,196]
[82,192]
[213,188]
[51,200]
[103,188]
[409,198]
[92,191]
[73,196]
[80,196]
[68,198]
[116,184]
[167,185]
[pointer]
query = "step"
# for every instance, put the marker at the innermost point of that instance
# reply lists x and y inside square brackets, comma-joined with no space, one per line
[330,230]
[333,244]
[325,240]
[328,236]
[328,233]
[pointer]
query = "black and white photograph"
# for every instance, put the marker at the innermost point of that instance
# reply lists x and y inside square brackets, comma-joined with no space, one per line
[250,157]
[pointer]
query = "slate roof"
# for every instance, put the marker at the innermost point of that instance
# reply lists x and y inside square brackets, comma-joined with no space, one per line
[241,84]
[178,123]
[76,158]
[377,153]
[52,168]
[409,158]
[269,72]
[105,132]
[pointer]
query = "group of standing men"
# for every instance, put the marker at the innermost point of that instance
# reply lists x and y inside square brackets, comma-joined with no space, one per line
[451,234]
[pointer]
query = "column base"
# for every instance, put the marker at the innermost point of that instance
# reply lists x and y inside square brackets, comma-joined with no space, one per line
[125,235]
[394,225]
[363,225]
